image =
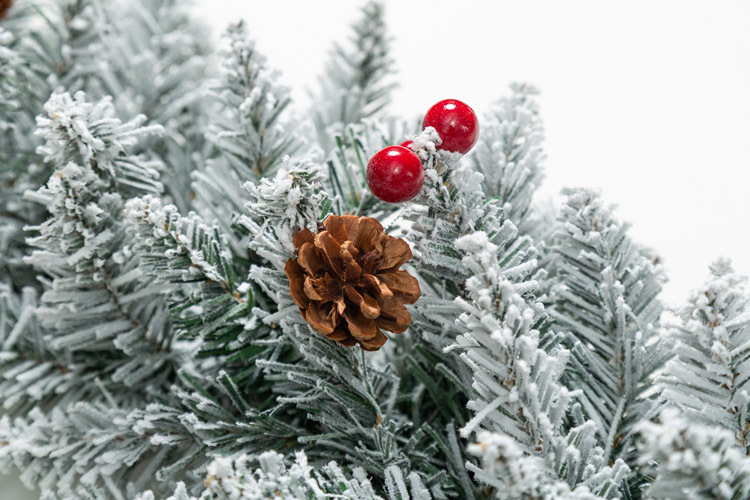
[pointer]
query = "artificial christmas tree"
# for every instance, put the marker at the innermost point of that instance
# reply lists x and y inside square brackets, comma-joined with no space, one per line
[196,289]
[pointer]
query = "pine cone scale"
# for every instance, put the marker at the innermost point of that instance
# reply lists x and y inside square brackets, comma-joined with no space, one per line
[323,321]
[337,227]
[395,253]
[393,315]
[368,306]
[375,343]
[365,234]
[310,259]
[309,288]
[402,284]
[296,283]
[347,282]
[332,252]
[302,237]
[338,335]
[352,270]
[360,327]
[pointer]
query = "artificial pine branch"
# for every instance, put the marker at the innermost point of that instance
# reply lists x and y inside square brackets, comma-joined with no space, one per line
[235,478]
[150,346]
[160,63]
[64,46]
[51,52]
[605,304]
[707,379]
[521,396]
[97,299]
[357,82]
[509,154]
[695,461]
[249,134]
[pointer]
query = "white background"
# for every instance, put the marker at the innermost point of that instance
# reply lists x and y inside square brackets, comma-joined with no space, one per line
[647,100]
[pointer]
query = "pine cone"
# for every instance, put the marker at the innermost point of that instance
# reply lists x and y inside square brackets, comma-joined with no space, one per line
[347,282]
[4,6]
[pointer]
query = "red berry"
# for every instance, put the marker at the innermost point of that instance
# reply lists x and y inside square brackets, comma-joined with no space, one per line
[456,123]
[395,174]
[407,144]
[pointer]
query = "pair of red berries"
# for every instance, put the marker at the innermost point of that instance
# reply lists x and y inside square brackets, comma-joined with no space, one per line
[395,174]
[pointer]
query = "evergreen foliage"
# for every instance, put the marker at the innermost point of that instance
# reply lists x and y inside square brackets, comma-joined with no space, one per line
[605,302]
[696,461]
[150,347]
[707,379]
[248,135]
[357,82]
[509,154]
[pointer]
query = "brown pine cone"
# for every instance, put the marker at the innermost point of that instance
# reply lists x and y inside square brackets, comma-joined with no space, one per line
[4,6]
[347,282]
